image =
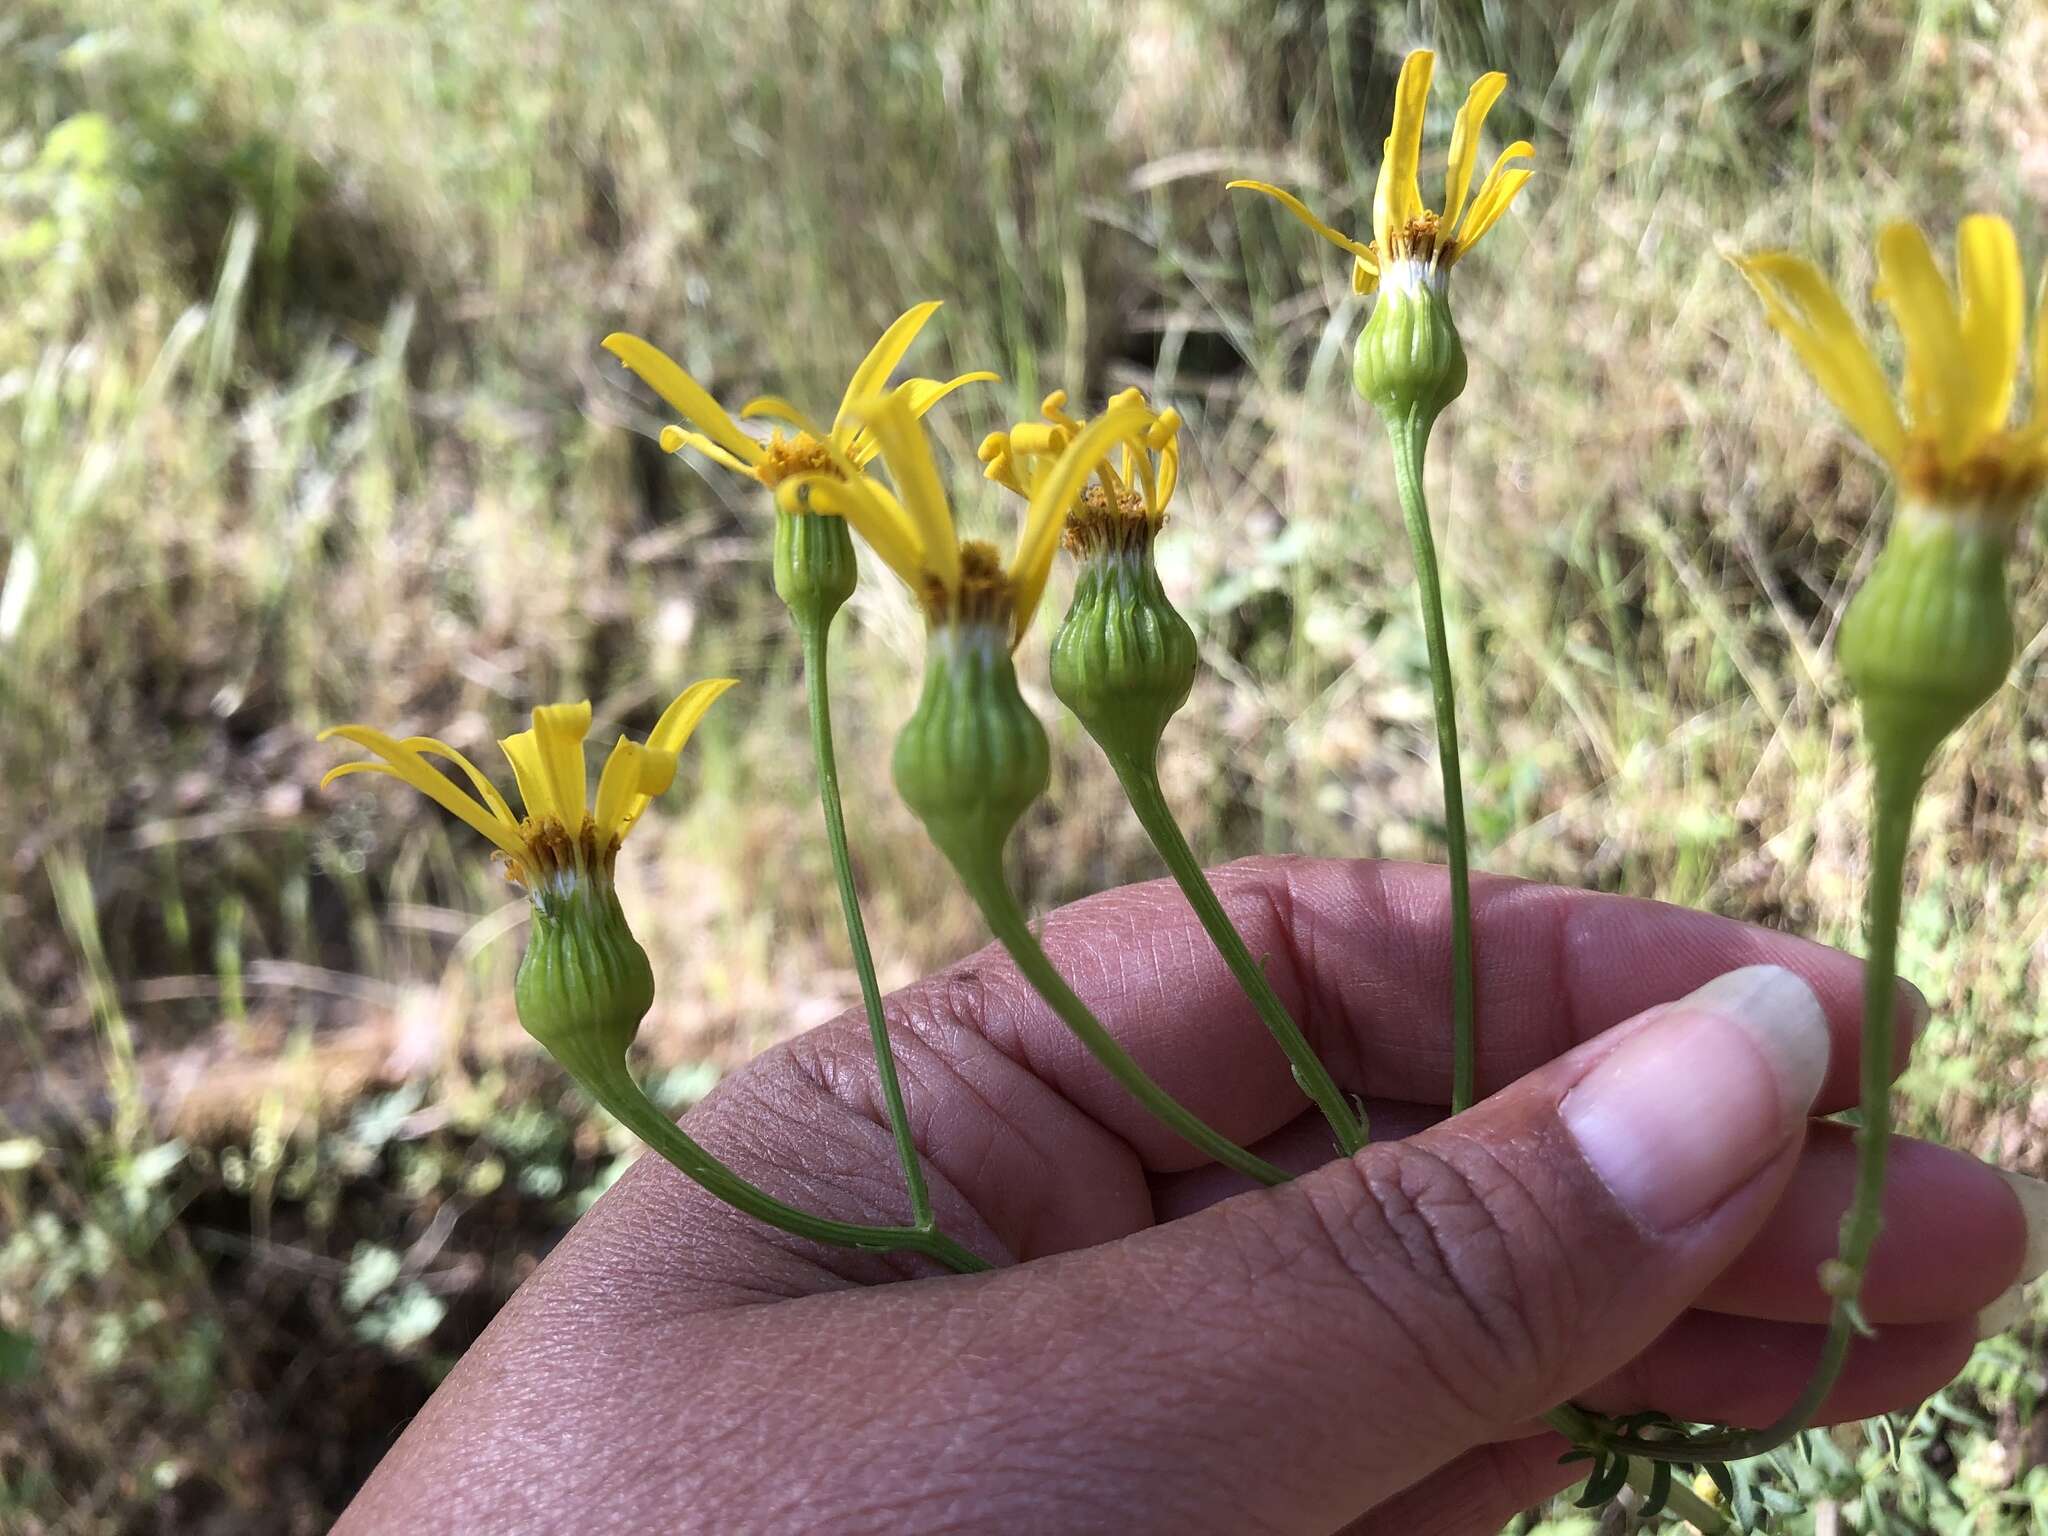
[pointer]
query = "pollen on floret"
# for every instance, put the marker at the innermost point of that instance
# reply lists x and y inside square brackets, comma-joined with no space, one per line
[554,859]
[984,594]
[1099,524]
[783,457]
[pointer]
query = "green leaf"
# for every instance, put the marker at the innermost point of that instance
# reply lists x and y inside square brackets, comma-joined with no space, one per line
[17,1357]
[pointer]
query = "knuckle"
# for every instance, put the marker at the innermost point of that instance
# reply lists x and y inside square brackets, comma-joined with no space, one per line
[1464,1257]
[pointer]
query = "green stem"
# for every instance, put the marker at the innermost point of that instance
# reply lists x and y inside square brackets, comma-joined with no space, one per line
[613,1087]
[1141,786]
[983,876]
[1410,435]
[1899,775]
[815,627]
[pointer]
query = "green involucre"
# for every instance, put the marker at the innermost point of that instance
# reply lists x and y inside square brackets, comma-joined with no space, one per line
[1409,360]
[584,983]
[972,757]
[815,569]
[1929,638]
[1124,659]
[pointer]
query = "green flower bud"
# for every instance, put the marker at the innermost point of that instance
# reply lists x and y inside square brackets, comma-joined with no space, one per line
[1929,638]
[1409,360]
[1124,659]
[584,984]
[815,571]
[972,757]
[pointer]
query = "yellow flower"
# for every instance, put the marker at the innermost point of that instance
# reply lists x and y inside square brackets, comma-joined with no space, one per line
[1132,495]
[812,451]
[1404,231]
[912,529]
[1953,446]
[560,840]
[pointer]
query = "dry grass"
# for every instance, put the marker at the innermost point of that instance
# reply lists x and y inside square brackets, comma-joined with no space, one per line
[301,420]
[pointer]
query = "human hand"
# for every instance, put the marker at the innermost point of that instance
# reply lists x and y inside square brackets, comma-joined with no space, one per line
[1633,1219]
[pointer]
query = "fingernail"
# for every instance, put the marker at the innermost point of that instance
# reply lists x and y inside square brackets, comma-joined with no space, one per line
[1680,1114]
[2033,1196]
[1918,1010]
[2008,1312]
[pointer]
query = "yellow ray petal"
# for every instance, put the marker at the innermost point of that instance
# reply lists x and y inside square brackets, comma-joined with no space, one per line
[675,440]
[679,721]
[406,765]
[427,746]
[918,488]
[633,775]
[874,370]
[1465,143]
[558,731]
[1495,193]
[779,409]
[1365,274]
[1299,209]
[1993,319]
[1938,387]
[1039,538]
[921,395]
[1802,308]
[1398,197]
[522,751]
[670,734]
[869,510]
[662,374]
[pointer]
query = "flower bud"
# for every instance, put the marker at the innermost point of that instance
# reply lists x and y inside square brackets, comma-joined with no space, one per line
[1124,659]
[815,570]
[1929,638]
[584,984]
[972,757]
[1409,360]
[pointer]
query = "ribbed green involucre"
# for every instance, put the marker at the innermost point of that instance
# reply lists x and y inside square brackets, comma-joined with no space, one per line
[1929,638]
[972,758]
[1409,360]
[815,569]
[1124,659]
[584,983]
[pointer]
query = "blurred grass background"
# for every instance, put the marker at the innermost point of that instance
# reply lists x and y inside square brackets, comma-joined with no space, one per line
[302,420]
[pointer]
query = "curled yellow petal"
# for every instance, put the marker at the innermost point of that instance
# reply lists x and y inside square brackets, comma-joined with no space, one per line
[405,764]
[679,721]
[674,440]
[1937,387]
[663,375]
[666,741]
[427,746]
[779,409]
[1465,143]
[633,775]
[558,731]
[921,493]
[1993,317]
[874,370]
[1397,200]
[1299,209]
[1051,498]
[1495,193]
[1804,309]
[921,395]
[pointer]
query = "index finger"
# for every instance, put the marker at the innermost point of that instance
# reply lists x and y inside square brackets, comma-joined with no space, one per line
[1037,1141]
